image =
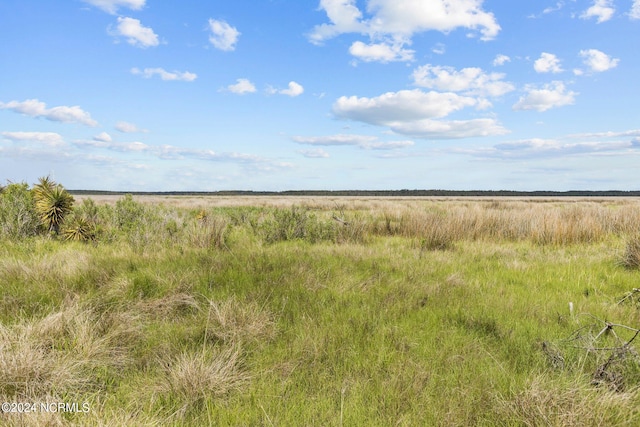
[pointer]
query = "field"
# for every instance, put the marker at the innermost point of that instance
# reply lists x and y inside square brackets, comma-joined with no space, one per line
[326,311]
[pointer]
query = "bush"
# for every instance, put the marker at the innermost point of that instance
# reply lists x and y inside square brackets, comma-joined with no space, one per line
[296,224]
[631,256]
[83,224]
[18,217]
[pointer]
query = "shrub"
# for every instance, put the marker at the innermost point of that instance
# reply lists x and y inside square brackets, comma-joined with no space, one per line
[294,224]
[18,217]
[128,213]
[631,256]
[83,224]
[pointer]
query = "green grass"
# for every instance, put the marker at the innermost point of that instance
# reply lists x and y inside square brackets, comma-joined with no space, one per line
[288,318]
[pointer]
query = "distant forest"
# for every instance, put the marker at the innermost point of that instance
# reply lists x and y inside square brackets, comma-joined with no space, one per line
[374,193]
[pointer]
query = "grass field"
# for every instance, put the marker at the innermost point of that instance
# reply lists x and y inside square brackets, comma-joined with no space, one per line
[275,311]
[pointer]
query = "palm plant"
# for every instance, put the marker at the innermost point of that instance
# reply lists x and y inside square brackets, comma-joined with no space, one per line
[53,203]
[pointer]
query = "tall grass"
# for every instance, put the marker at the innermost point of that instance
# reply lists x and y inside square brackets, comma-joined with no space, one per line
[362,312]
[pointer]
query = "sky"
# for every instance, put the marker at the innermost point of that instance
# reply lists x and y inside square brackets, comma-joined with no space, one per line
[274,95]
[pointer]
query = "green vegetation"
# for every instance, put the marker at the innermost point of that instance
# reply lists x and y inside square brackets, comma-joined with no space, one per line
[331,312]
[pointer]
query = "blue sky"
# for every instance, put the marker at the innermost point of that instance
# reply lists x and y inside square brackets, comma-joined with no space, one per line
[331,94]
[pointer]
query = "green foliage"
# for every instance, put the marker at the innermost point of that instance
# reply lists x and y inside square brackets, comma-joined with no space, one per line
[53,203]
[296,224]
[18,217]
[83,223]
[160,324]
[128,213]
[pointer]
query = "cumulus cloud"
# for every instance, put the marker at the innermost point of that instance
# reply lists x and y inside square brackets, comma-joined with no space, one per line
[547,63]
[147,73]
[394,22]
[381,52]
[223,36]
[241,87]
[602,10]
[136,34]
[51,139]
[413,113]
[551,95]
[471,81]
[362,141]
[36,108]
[126,127]
[112,6]
[345,17]
[501,60]
[598,61]
[294,89]
[102,137]
[634,13]
[405,105]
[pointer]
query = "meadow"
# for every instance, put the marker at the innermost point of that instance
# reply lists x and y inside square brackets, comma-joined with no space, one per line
[322,311]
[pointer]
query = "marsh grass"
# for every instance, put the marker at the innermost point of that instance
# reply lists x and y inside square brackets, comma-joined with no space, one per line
[399,312]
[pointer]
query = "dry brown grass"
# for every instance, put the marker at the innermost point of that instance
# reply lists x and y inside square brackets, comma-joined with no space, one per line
[234,321]
[191,378]
[631,256]
[544,403]
[62,353]
[58,266]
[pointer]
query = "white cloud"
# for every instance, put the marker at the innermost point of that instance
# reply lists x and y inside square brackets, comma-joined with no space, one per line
[241,87]
[51,139]
[405,105]
[598,61]
[537,147]
[165,75]
[126,127]
[412,112]
[102,137]
[547,63]
[559,5]
[36,108]
[223,36]
[501,60]
[135,33]
[340,139]
[404,18]
[381,52]
[439,49]
[448,129]
[602,10]
[344,16]
[294,89]
[315,153]
[471,81]
[367,142]
[111,6]
[171,152]
[394,22]
[634,13]
[551,95]
[608,134]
